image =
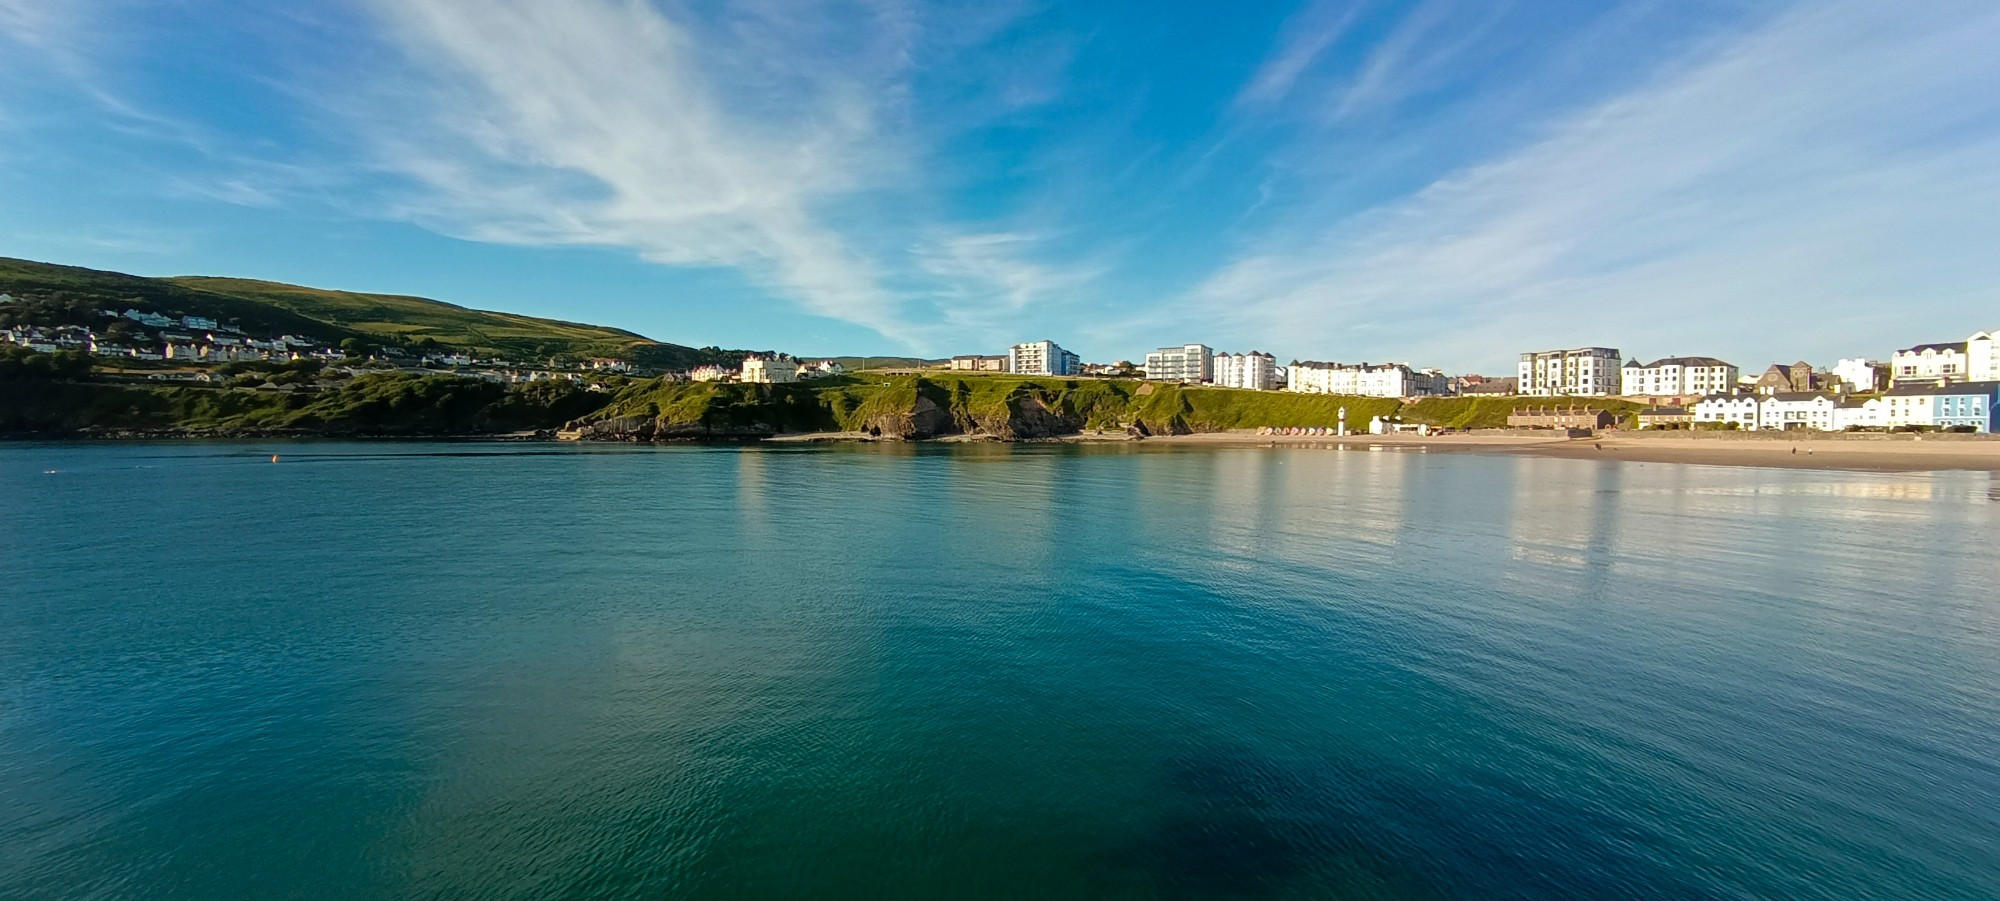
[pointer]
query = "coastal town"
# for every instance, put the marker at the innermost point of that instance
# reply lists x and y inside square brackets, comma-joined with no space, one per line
[1945,386]
[1949,386]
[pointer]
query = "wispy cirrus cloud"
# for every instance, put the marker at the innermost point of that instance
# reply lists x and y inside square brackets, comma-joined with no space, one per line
[984,281]
[1307,37]
[602,123]
[1420,50]
[1835,162]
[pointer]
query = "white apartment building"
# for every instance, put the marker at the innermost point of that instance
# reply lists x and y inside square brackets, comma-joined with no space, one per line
[1579,372]
[1793,410]
[1190,363]
[1042,358]
[1362,379]
[1255,370]
[1677,377]
[1932,363]
[979,363]
[1861,374]
[1740,409]
[761,371]
[1982,357]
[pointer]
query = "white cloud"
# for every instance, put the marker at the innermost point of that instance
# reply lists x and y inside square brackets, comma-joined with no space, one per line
[1822,186]
[988,281]
[606,123]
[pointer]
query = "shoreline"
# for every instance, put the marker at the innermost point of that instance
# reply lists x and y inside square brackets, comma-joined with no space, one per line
[1830,452]
[1822,452]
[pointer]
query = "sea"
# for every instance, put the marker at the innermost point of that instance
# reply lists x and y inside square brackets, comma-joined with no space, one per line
[882,671]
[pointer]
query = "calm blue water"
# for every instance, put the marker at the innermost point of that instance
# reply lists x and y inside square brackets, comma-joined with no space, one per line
[453,671]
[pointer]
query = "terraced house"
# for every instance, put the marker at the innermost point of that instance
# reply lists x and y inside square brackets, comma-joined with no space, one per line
[1948,406]
[1255,370]
[1363,380]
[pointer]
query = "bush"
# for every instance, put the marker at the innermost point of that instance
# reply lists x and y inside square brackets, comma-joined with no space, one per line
[23,364]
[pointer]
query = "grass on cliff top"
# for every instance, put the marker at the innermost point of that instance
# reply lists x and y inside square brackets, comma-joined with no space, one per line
[1219,409]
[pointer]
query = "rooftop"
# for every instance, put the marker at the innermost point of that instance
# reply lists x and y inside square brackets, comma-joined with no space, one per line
[1955,389]
[1680,361]
[1959,346]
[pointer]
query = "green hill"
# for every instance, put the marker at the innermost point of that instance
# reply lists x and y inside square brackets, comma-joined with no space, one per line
[273,308]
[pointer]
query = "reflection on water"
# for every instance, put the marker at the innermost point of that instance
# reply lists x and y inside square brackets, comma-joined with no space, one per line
[990,671]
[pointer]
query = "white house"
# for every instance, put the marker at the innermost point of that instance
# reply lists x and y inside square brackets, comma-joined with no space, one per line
[1579,372]
[1677,377]
[1861,374]
[1042,358]
[1872,413]
[1932,363]
[197,323]
[1740,409]
[1189,363]
[1362,379]
[758,370]
[708,373]
[820,370]
[1255,370]
[1795,410]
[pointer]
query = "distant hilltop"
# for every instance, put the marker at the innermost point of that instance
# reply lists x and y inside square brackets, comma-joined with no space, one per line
[331,317]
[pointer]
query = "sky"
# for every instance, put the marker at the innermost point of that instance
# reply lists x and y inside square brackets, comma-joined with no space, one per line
[1447,183]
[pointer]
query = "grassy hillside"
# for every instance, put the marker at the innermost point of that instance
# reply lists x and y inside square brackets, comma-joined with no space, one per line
[80,292]
[409,320]
[273,308]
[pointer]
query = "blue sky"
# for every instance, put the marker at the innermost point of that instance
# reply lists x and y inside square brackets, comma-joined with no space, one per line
[1443,182]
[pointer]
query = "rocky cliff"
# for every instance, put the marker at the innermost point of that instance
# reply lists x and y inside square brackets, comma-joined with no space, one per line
[935,406]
